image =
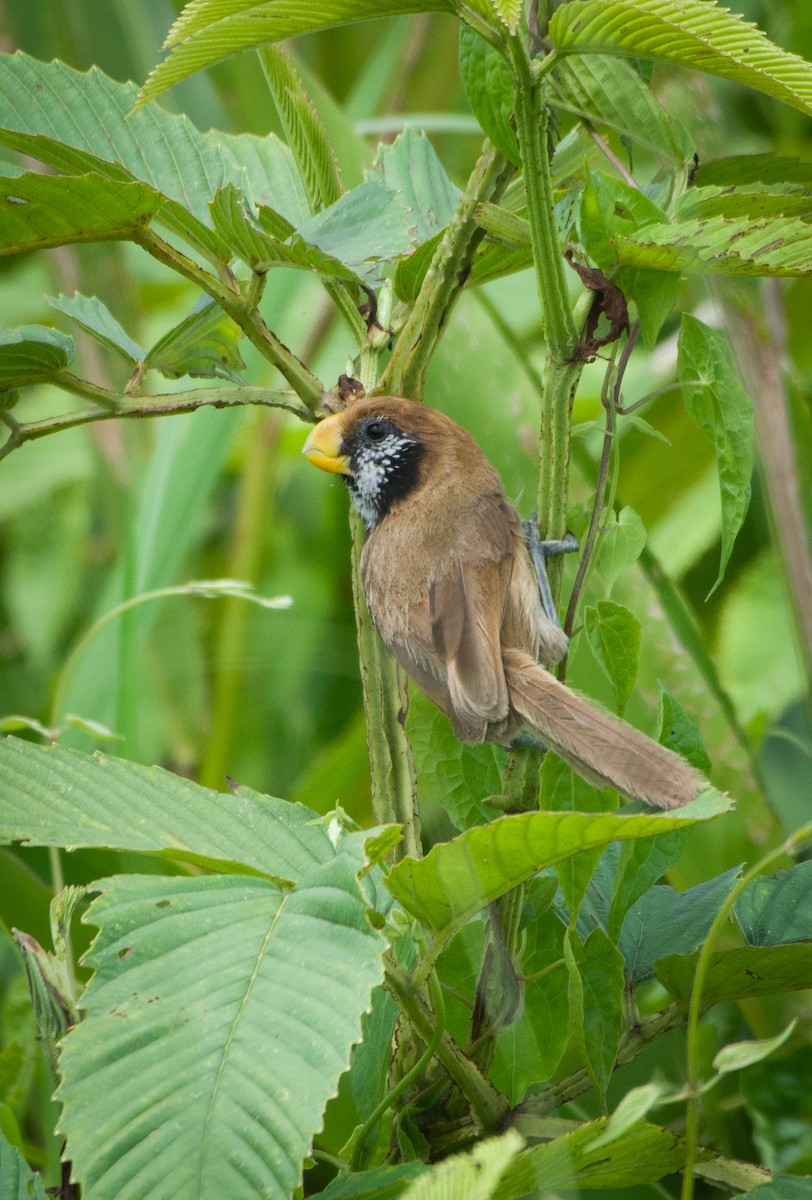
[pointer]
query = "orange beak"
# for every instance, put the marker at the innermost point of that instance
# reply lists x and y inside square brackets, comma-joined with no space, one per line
[323,446]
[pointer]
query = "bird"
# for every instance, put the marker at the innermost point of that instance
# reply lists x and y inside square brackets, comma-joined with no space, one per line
[452,590]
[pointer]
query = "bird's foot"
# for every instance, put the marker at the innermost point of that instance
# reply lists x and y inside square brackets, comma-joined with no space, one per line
[539,552]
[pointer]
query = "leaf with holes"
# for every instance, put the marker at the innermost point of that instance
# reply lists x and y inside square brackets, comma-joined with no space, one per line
[256,996]
[772,246]
[689,33]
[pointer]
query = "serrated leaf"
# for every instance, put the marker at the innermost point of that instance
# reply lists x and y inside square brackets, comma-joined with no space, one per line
[471,1176]
[780,246]
[367,227]
[207,31]
[304,130]
[490,91]
[409,166]
[743,169]
[738,1055]
[92,314]
[79,122]
[17,1180]
[745,200]
[32,354]
[50,796]
[609,209]
[204,345]
[723,410]
[643,1154]
[615,637]
[259,994]
[777,908]
[611,92]
[48,210]
[664,921]
[689,33]
[457,879]
[740,973]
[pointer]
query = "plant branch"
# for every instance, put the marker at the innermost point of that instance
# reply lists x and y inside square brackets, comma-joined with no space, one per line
[161,405]
[488,1105]
[445,278]
[244,314]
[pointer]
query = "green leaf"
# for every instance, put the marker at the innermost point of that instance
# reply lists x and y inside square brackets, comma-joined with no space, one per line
[639,865]
[562,790]
[737,1055]
[783,1187]
[680,734]
[208,31]
[381,1183]
[620,546]
[643,1154]
[777,908]
[32,354]
[454,777]
[611,208]
[722,409]
[92,314]
[611,92]
[205,344]
[744,200]
[614,635]
[17,1180]
[689,33]
[742,169]
[259,993]
[631,1109]
[367,226]
[654,293]
[409,166]
[79,122]
[508,12]
[780,246]
[600,966]
[50,796]
[740,973]
[457,879]
[304,131]
[489,89]
[665,921]
[48,210]
[471,1176]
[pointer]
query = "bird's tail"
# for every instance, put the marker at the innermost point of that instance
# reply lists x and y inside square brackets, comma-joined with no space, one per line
[598,745]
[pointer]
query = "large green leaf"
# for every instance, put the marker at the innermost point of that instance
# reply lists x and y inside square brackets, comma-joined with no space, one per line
[32,354]
[753,201]
[722,408]
[737,974]
[55,210]
[50,796]
[208,31]
[254,994]
[83,121]
[643,1154]
[410,167]
[600,969]
[489,90]
[690,33]
[611,92]
[458,878]
[742,169]
[720,246]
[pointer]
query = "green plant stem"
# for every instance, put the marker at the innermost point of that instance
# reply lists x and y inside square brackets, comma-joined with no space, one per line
[241,311]
[562,372]
[445,278]
[161,405]
[488,1105]
[693,1084]
[410,1077]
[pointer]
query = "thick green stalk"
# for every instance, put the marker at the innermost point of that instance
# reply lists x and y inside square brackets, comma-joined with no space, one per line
[445,278]
[562,371]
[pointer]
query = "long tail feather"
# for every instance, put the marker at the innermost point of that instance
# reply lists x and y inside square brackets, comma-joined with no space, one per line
[598,745]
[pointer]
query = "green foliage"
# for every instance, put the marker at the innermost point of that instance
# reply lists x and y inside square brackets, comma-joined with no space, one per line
[284,996]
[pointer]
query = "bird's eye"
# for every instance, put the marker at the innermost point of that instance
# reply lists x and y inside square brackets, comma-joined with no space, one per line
[376,431]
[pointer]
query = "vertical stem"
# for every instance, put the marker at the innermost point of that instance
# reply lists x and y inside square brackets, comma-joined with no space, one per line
[562,373]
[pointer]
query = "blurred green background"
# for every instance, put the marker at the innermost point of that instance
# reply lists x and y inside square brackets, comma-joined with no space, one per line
[221,689]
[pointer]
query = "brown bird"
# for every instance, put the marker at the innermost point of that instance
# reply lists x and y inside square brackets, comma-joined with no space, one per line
[452,590]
